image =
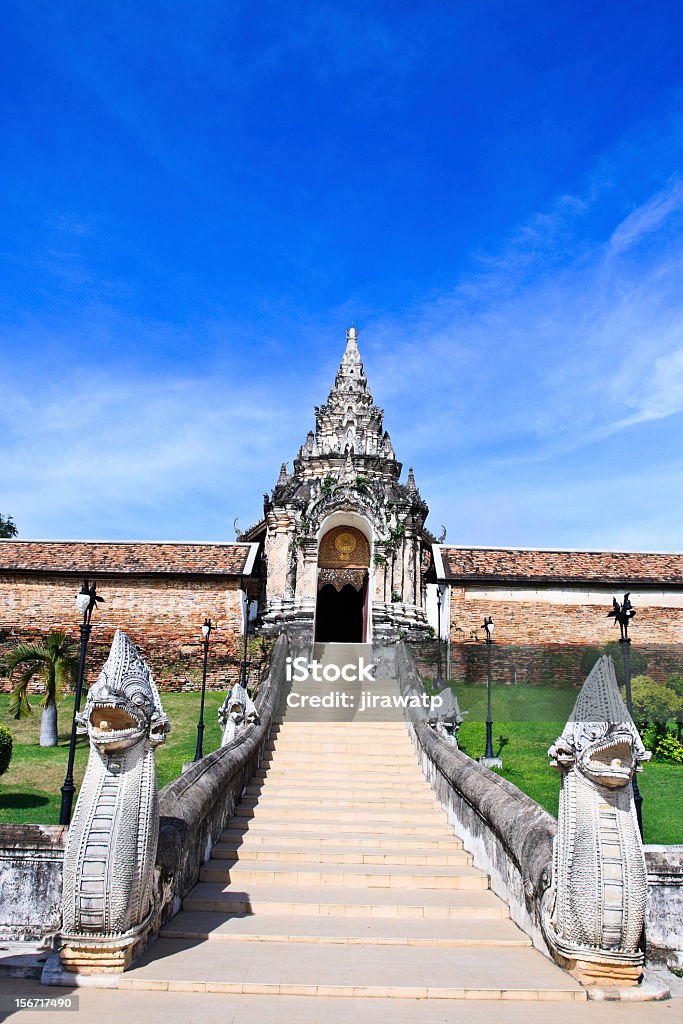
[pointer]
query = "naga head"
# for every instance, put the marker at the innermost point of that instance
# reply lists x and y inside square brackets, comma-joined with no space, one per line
[600,739]
[237,705]
[123,706]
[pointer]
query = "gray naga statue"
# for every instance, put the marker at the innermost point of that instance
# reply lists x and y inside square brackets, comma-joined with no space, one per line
[445,716]
[593,912]
[235,713]
[111,847]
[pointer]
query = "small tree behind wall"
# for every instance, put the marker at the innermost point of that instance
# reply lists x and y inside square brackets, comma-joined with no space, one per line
[7,527]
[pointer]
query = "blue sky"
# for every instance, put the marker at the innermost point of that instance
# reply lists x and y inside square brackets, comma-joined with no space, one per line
[199,198]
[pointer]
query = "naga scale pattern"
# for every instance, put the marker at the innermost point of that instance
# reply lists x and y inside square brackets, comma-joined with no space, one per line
[111,847]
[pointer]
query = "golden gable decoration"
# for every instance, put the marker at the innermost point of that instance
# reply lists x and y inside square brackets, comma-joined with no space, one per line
[344,547]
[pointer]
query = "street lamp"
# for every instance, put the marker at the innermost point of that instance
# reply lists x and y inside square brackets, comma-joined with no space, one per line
[439,674]
[489,759]
[86,602]
[622,614]
[243,678]
[206,632]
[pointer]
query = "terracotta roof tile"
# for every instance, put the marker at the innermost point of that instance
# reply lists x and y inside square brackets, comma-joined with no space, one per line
[129,557]
[527,566]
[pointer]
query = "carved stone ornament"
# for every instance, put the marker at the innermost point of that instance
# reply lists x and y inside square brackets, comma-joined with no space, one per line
[235,713]
[340,578]
[112,841]
[593,912]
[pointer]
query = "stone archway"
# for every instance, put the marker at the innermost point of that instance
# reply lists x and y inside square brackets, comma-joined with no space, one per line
[342,591]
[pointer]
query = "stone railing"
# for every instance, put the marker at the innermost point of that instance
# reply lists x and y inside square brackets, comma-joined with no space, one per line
[31,858]
[509,835]
[664,920]
[195,807]
[194,810]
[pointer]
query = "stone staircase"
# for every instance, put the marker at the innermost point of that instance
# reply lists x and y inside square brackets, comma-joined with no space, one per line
[339,876]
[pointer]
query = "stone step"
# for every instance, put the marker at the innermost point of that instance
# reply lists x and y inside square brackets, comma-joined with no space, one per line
[449,932]
[370,876]
[329,773]
[244,851]
[291,800]
[351,840]
[434,828]
[334,901]
[299,787]
[364,969]
[285,813]
[396,745]
[356,729]
[363,760]
[326,776]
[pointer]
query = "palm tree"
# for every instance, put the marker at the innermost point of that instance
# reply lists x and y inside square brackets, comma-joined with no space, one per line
[56,663]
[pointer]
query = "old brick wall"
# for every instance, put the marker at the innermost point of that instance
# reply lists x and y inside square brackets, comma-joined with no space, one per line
[547,636]
[162,616]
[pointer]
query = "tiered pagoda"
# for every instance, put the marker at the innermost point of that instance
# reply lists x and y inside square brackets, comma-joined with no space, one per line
[346,549]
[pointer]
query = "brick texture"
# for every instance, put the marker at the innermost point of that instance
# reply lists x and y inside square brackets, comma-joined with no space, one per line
[540,642]
[162,616]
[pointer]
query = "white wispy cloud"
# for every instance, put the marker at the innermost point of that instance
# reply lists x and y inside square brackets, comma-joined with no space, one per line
[647,217]
[158,457]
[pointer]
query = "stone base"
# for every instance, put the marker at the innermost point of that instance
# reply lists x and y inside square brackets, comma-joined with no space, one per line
[491,762]
[605,973]
[103,958]
[54,974]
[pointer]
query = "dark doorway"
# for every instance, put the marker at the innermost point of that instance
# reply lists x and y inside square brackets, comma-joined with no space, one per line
[339,617]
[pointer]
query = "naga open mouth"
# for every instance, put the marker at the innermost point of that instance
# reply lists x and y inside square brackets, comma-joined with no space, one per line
[112,723]
[611,762]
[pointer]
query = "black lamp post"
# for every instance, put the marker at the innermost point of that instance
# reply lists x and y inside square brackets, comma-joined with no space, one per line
[86,602]
[623,613]
[243,678]
[488,627]
[439,673]
[206,632]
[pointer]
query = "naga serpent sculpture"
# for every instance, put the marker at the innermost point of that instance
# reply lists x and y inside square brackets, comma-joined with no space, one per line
[111,847]
[235,713]
[593,912]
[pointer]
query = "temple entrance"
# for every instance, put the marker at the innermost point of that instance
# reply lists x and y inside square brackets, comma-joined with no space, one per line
[343,570]
[340,615]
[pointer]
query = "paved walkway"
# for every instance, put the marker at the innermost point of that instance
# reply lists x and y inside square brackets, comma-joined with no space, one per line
[102,1006]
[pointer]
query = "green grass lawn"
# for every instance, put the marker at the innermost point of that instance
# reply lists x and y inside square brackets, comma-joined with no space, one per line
[526,721]
[30,789]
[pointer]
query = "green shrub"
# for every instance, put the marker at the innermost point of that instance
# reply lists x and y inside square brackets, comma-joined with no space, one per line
[5,748]
[669,749]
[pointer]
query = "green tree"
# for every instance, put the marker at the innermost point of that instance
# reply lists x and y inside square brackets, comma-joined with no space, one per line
[55,662]
[7,527]
[654,704]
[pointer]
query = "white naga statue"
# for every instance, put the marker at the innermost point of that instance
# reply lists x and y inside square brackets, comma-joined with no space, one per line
[445,716]
[235,713]
[593,912]
[111,847]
